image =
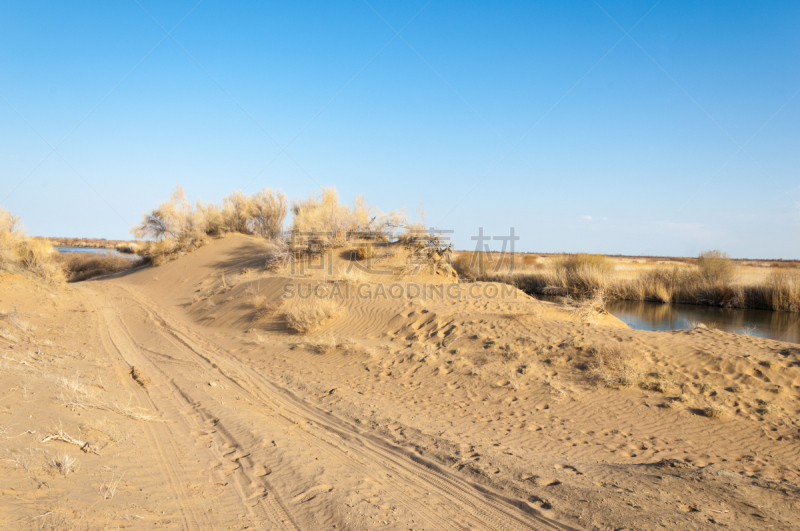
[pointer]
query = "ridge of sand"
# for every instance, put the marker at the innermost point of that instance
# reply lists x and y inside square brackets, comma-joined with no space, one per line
[185,408]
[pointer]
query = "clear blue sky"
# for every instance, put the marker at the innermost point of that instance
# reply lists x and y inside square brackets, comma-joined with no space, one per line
[682,136]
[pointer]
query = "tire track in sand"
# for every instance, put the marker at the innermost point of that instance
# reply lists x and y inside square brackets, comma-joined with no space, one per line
[402,471]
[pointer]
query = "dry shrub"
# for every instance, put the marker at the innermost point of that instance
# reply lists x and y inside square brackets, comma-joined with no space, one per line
[81,266]
[258,301]
[324,345]
[170,219]
[21,253]
[309,315]
[237,210]
[321,212]
[10,236]
[364,253]
[64,463]
[269,209]
[127,248]
[588,310]
[178,227]
[278,255]
[39,257]
[715,411]
[616,365]
[267,310]
[716,267]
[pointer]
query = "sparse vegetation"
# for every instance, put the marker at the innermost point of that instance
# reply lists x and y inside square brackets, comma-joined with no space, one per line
[616,365]
[64,463]
[711,279]
[178,227]
[590,309]
[82,266]
[716,267]
[716,411]
[309,315]
[19,253]
[322,212]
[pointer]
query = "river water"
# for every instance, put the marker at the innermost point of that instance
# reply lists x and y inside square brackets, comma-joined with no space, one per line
[94,251]
[783,326]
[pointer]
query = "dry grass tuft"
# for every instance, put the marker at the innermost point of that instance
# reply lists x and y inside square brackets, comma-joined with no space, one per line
[108,488]
[324,344]
[766,406]
[267,310]
[309,315]
[64,463]
[588,310]
[127,248]
[616,366]
[364,253]
[715,411]
[658,386]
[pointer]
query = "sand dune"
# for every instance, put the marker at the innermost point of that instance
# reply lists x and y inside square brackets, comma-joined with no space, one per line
[177,397]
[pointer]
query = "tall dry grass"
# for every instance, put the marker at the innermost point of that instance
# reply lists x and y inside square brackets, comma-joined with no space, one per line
[712,279]
[82,266]
[20,253]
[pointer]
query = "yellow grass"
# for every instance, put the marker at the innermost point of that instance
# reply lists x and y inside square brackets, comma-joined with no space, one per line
[21,253]
[81,266]
[616,365]
[306,316]
[712,279]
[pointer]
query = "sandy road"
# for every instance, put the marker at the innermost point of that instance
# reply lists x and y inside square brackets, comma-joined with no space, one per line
[274,460]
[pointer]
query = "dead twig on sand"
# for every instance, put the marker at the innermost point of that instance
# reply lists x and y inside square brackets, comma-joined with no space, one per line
[64,437]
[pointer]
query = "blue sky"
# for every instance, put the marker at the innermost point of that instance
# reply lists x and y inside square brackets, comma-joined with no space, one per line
[679,136]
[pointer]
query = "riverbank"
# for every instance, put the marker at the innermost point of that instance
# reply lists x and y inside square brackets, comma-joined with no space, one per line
[754,284]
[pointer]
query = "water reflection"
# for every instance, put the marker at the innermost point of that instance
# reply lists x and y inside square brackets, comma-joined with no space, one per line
[94,250]
[783,326]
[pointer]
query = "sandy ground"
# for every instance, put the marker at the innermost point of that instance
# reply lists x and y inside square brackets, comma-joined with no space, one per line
[163,398]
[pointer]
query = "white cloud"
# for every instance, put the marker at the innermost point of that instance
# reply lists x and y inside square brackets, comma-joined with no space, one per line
[587,217]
